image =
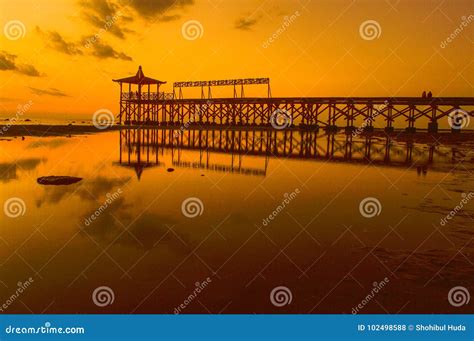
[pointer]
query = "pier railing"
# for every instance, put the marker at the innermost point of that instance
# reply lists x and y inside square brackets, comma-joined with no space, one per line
[354,114]
[147,96]
[329,113]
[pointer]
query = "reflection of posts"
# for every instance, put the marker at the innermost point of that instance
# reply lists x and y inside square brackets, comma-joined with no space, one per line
[137,145]
[140,148]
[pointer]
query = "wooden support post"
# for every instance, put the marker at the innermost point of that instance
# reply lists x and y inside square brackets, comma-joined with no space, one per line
[433,124]
[148,106]
[129,114]
[389,127]
[411,120]
[139,111]
[121,105]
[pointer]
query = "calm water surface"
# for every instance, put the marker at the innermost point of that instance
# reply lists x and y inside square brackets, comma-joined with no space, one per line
[317,243]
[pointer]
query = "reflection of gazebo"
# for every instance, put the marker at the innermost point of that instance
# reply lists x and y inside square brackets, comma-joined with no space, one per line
[138,167]
[133,148]
[136,103]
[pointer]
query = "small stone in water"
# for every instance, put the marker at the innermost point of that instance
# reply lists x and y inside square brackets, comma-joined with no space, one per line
[57,180]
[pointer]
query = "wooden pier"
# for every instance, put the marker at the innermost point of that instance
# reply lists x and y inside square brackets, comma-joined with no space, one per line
[141,105]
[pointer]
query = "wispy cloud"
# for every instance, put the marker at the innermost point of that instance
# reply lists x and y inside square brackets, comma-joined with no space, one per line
[100,14]
[99,48]
[245,23]
[163,9]
[103,51]
[57,42]
[8,63]
[49,92]
[113,17]
[28,70]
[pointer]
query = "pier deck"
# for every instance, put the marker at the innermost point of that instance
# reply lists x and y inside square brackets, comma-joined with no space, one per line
[331,113]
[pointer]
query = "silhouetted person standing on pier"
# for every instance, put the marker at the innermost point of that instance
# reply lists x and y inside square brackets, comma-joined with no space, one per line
[423,95]
[430,95]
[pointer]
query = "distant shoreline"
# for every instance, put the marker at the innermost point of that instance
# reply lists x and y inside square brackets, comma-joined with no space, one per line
[45,130]
[48,130]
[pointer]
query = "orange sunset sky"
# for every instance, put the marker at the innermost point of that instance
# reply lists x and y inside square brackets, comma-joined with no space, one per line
[322,52]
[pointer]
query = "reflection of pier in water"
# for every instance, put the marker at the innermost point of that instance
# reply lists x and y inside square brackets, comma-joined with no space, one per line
[141,148]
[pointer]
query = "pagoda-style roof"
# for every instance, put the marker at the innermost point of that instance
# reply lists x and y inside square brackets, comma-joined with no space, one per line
[139,78]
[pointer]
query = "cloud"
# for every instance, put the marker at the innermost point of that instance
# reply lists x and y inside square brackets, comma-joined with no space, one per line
[113,29]
[28,70]
[8,63]
[58,43]
[113,16]
[96,46]
[104,15]
[110,15]
[103,51]
[166,18]
[153,9]
[49,91]
[245,23]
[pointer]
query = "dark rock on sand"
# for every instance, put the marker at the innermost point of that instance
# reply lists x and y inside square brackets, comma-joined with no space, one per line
[57,180]
[170,169]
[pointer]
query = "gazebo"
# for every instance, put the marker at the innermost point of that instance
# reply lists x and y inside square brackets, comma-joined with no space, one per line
[131,101]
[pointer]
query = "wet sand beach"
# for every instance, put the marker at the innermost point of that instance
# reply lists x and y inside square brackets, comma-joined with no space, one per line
[289,216]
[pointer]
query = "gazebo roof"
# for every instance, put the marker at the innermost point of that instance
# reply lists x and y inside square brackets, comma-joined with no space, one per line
[139,78]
